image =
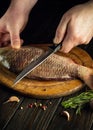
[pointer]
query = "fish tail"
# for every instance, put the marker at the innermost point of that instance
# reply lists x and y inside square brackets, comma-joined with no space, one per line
[86,74]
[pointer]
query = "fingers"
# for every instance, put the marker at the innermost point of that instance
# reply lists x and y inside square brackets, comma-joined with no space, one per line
[15,39]
[68,44]
[61,30]
[10,31]
[66,34]
[12,38]
[74,29]
[63,34]
[9,34]
[4,39]
[0,36]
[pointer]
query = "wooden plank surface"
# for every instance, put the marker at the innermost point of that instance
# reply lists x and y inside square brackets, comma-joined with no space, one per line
[12,117]
[33,118]
[77,122]
[7,110]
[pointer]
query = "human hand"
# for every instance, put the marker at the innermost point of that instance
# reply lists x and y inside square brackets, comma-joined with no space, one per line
[75,27]
[14,21]
[11,25]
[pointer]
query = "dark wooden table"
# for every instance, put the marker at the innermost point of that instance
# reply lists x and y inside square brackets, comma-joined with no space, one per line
[20,116]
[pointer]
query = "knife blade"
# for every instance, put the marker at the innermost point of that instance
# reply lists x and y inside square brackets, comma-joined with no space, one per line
[52,49]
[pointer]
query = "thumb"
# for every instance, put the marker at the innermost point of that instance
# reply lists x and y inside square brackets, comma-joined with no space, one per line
[15,39]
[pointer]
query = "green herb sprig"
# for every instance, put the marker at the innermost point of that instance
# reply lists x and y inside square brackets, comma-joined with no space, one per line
[78,102]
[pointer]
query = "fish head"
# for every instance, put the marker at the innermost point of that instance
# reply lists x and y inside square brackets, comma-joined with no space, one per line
[3,59]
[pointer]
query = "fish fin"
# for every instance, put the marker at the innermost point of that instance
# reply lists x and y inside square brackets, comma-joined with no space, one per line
[86,74]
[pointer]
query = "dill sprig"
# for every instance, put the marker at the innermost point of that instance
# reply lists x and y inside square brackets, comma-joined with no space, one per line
[78,102]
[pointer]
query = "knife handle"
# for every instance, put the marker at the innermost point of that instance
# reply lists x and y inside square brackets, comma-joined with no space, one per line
[56,47]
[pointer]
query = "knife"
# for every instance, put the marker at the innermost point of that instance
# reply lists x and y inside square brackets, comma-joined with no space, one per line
[51,49]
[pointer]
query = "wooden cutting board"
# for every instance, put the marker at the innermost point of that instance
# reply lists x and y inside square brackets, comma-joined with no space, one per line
[48,89]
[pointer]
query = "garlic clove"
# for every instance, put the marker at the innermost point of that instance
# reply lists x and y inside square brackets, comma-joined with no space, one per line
[66,113]
[12,99]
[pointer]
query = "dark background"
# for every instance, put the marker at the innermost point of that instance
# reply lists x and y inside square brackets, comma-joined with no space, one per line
[44,19]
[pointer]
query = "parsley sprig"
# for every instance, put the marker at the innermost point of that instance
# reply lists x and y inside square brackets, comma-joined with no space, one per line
[78,102]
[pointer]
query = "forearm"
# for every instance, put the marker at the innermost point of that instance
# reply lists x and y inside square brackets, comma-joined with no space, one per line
[23,6]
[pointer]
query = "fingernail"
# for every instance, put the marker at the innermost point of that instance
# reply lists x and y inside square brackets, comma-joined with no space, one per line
[16,45]
[56,40]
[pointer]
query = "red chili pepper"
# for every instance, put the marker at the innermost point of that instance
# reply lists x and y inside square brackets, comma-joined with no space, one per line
[30,105]
[44,107]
